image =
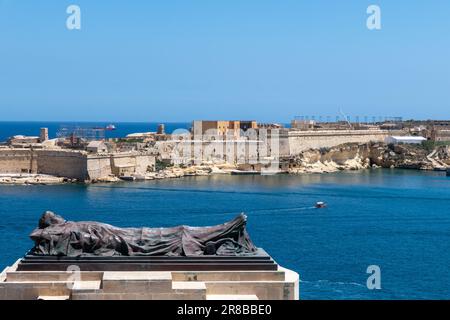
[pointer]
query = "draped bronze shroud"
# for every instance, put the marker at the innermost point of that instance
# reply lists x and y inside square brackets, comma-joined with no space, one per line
[58,237]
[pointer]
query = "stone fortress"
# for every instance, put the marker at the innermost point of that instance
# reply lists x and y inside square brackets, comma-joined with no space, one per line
[73,164]
[209,147]
[29,156]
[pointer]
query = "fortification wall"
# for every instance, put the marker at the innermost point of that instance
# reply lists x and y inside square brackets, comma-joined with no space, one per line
[304,140]
[17,161]
[70,164]
[58,163]
[98,166]
[145,163]
[138,163]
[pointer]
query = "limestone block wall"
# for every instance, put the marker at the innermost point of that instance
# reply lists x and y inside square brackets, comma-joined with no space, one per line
[304,140]
[137,163]
[123,164]
[17,161]
[98,166]
[145,162]
[70,164]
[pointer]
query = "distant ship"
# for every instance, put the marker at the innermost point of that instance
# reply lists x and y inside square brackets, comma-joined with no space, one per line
[110,127]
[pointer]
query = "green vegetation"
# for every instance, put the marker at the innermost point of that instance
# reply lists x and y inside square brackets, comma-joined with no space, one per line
[130,140]
[430,145]
[161,165]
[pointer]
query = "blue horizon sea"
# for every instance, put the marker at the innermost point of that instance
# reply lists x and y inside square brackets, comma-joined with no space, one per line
[31,128]
[398,220]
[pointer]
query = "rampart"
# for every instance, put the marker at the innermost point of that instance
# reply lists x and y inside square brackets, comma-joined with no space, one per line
[71,164]
[17,161]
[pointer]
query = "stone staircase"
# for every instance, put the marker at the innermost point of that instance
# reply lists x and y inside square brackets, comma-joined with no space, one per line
[231,297]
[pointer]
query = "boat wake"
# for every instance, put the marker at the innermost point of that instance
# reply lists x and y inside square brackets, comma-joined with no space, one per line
[332,283]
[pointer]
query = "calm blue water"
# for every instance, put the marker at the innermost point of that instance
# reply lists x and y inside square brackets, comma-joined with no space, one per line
[9,129]
[398,220]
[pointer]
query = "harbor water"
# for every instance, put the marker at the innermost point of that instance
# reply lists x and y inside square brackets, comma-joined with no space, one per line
[398,220]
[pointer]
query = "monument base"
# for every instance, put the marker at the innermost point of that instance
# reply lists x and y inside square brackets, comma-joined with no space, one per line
[260,261]
[219,278]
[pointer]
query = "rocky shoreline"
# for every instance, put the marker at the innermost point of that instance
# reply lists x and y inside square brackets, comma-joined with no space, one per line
[32,179]
[168,173]
[354,156]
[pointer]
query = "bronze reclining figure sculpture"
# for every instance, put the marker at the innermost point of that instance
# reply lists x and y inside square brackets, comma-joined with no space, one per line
[57,237]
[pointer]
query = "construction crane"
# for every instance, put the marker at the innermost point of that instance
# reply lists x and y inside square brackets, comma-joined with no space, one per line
[346,118]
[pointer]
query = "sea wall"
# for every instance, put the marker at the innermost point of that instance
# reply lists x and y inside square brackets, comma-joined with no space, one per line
[17,161]
[69,164]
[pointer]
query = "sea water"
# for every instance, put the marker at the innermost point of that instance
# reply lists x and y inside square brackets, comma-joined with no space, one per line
[398,220]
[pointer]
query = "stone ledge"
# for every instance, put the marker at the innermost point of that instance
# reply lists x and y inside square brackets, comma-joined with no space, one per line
[137,282]
[188,285]
[31,276]
[138,296]
[278,275]
[53,298]
[231,297]
[86,286]
[136,276]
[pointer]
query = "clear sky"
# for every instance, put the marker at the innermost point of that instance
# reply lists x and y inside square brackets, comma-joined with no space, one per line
[178,60]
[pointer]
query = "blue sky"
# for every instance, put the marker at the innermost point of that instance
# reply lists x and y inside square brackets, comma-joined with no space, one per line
[239,59]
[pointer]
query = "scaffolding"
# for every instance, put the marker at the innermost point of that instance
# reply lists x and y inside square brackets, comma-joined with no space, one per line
[78,134]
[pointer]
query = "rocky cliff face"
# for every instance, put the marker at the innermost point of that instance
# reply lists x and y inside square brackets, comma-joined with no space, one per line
[354,156]
[344,157]
[443,155]
[400,156]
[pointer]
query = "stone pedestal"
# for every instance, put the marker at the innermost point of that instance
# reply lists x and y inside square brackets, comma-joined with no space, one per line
[47,284]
